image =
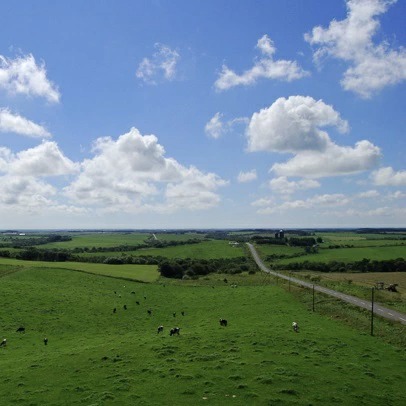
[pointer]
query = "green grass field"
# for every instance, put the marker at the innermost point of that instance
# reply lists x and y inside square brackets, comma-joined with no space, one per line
[204,250]
[141,273]
[352,254]
[95,357]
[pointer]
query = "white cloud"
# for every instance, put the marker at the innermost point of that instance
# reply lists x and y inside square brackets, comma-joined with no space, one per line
[333,161]
[22,75]
[294,125]
[284,186]
[133,174]
[244,177]
[215,127]
[371,66]
[368,194]
[315,202]
[264,67]
[14,123]
[162,64]
[388,177]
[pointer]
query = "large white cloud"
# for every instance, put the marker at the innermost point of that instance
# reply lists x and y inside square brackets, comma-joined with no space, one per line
[23,75]
[162,64]
[14,123]
[294,125]
[265,67]
[371,66]
[388,177]
[132,173]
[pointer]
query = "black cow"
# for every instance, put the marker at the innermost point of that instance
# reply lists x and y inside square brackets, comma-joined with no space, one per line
[149,311]
[174,314]
[223,322]
[183,313]
[160,329]
[125,307]
[114,310]
[137,302]
[20,330]
[174,331]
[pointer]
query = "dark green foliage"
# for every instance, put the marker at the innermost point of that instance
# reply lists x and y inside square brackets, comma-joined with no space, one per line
[365,265]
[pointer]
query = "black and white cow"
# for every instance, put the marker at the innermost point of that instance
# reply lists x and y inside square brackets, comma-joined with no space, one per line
[3,343]
[160,329]
[175,330]
[223,322]
[295,327]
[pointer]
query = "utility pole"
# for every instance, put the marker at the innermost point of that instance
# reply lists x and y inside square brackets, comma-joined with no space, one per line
[372,312]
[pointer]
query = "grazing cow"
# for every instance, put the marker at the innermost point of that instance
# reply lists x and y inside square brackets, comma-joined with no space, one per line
[149,311]
[160,329]
[174,314]
[45,341]
[145,297]
[174,331]
[115,292]
[3,343]
[20,330]
[295,327]
[114,310]
[182,313]
[137,302]
[125,307]
[223,322]
[133,293]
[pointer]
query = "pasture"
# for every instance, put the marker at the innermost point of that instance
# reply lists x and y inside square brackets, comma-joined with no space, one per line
[98,357]
[352,254]
[141,273]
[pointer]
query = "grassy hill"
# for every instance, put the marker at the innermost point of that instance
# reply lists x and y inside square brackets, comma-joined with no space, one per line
[97,357]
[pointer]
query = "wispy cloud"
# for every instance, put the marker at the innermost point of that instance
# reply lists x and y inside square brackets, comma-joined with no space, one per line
[23,75]
[265,67]
[162,65]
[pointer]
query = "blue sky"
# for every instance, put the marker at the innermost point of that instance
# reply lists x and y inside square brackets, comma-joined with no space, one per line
[182,114]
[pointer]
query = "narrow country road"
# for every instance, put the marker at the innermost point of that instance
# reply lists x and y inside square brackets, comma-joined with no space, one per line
[378,309]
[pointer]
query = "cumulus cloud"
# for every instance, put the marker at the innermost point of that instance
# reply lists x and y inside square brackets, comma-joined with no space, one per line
[132,173]
[245,177]
[371,66]
[283,186]
[23,75]
[388,177]
[45,159]
[264,67]
[162,64]
[333,161]
[14,123]
[294,125]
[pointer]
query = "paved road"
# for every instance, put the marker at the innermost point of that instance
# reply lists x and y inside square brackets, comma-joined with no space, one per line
[378,309]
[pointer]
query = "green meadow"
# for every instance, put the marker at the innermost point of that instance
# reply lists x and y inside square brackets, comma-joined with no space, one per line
[97,357]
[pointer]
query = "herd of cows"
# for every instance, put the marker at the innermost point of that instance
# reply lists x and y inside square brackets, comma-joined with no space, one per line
[173,331]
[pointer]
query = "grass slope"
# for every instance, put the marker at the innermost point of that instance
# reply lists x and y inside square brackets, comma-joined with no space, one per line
[95,357]
[141,273]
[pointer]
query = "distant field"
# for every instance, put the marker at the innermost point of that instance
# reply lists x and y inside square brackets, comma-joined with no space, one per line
[97,357]
[143,273]
[351,254]
[204,250]
[100,240]
[269,249]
